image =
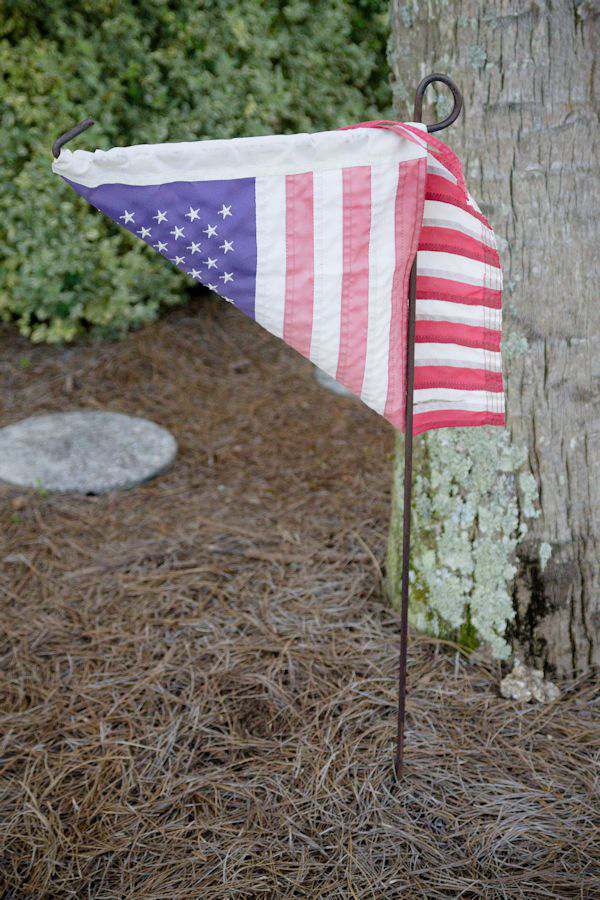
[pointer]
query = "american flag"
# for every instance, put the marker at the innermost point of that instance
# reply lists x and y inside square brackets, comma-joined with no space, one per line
[313,236]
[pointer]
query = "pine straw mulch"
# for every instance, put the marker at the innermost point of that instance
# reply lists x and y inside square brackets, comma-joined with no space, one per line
[198,676]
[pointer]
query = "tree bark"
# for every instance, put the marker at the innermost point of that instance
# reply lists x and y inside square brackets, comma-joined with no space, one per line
[529,142]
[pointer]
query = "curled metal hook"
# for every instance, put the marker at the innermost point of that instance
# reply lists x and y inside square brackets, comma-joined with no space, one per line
[69,135]
[420,93]
[418,112]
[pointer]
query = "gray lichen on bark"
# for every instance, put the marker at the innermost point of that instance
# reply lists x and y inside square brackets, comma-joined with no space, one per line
[469,512]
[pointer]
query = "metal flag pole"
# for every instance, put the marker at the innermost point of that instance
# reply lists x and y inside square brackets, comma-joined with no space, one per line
[408,430]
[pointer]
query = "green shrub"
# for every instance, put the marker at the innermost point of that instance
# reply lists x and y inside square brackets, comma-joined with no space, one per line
[157,71]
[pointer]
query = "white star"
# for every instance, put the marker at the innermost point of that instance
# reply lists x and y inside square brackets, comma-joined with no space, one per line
[127,217]
[211,263]
[192,214]
[226,276]
[179,260]
[210,230]
[226,246]
[160,217]
[195,273]
[195,248]
[161,246]
[228,299]
[213,287]
[225,211]
[143,232]
[177,232]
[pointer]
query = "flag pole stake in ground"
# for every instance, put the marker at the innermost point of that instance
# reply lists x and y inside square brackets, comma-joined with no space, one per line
[408,429]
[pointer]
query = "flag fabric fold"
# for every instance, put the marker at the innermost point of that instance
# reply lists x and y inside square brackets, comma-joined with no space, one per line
[313,236]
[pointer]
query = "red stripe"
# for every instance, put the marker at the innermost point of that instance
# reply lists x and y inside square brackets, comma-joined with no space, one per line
[439,188]
[457,333]
[430,288]
[442,153]
[407,217]
[457,378]
[356,206]
[454,418]
[299,275]
[449,240]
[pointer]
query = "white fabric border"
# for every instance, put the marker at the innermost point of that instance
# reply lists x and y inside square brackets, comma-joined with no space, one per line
[236,158]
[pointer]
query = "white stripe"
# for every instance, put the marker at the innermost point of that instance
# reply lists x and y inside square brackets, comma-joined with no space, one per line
[447,215]
[329,259]
[437,354]
[435,167]
[270,253]
[491,402]
[452,396]
[382,261]
[439,264]
[236,158]
[462,313]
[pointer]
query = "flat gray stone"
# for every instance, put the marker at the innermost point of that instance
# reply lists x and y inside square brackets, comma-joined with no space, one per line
[88,452]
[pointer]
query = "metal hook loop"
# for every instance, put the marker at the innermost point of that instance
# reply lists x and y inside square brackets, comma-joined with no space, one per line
[69,135]
[420,93]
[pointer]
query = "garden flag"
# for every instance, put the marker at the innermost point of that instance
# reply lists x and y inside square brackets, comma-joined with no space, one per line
[313,236]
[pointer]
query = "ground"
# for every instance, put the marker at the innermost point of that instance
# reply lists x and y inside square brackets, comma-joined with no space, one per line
[198,687]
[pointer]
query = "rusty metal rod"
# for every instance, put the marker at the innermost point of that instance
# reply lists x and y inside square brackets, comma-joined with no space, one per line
[408,431]
[69,135]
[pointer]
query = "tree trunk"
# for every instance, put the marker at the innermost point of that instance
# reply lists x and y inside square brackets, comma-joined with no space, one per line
[529,142]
